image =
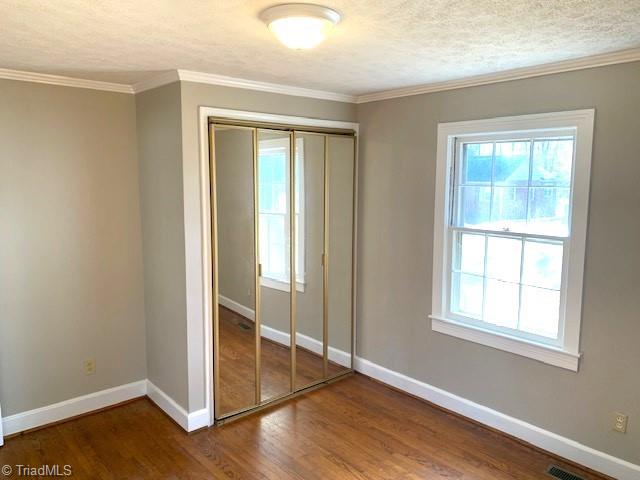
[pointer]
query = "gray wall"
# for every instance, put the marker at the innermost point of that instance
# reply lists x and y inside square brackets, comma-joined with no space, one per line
[71,285]
[397,168]
[158,119]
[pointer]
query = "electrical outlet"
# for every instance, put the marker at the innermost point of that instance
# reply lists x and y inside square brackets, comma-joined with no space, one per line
[620,422]
[89,366]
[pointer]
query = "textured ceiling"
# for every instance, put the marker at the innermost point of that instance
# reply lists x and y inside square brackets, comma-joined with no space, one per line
[380,44]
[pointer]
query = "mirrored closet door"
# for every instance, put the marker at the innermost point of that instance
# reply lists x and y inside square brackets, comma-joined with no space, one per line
[340,231]
[236,375]
[282,207]
[275,201]
[310,161]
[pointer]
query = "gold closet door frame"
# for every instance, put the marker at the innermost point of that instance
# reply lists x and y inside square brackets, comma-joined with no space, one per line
[325,263]
[293,130]
[292,261]
[257,271]
[214,264]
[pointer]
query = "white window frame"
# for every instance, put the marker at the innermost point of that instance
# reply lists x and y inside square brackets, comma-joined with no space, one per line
[565,353]
[276,283]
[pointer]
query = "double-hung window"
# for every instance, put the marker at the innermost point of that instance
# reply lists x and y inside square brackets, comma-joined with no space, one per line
[510,229]
[274,206]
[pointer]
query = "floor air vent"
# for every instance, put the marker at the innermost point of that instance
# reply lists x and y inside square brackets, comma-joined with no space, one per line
[562,474]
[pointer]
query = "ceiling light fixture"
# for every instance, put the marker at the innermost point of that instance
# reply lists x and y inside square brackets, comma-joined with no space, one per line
[300,25]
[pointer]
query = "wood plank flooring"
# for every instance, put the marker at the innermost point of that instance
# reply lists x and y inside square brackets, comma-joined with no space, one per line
[354,428]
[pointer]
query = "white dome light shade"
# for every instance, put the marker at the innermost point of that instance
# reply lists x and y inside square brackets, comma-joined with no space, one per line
[300,32]
[300,25]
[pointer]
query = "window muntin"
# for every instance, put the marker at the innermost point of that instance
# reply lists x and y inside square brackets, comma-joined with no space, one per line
[274,210]
[508,231]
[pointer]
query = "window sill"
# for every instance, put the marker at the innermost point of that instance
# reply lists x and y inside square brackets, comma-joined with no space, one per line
[543,353]
[280,285]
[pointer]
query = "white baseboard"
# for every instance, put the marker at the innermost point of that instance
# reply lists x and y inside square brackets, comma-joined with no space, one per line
[274,335]
[104,398]
[549,441]
[72,407]
[188,421]
[335,355]
[1,435]
[237,307]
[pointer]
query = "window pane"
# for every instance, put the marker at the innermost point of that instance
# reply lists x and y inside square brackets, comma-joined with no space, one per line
[549,211]
[540,311]
[470,254]
[509,208]
[277,230]
[273,255]
[511,165]
[503,258]
[264,245]
[474,206]
[552,160]
[277,264]
[267,203]
[542,264]
[501,305]
[476,164]
[269,198]
[279,197]
[467,295]
[275,161]
[272,180]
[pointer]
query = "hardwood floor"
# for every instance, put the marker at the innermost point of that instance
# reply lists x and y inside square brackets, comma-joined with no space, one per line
[353,428]
[237,367]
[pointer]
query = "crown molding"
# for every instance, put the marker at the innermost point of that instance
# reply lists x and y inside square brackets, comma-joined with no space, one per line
[622,56]
[22,76]
[156,81]
[212,79]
